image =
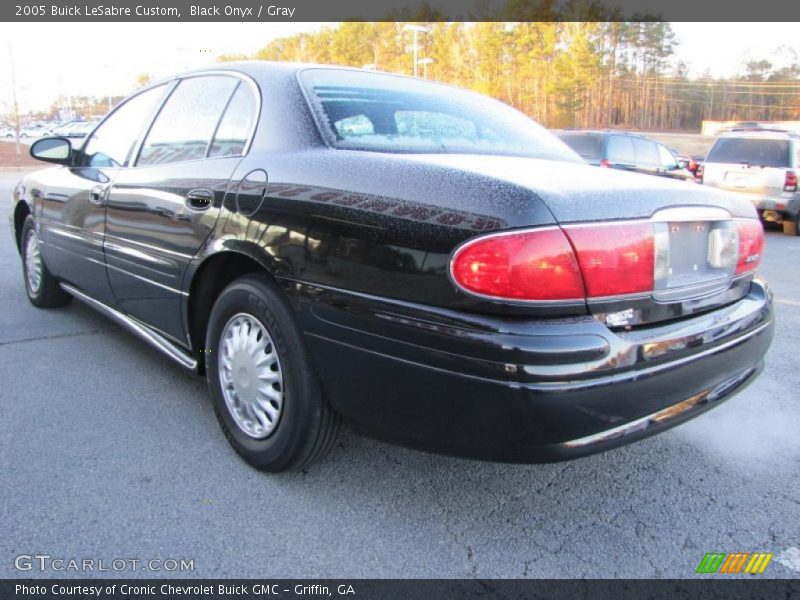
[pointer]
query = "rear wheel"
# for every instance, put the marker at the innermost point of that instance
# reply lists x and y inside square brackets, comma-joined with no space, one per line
[266,397]
[790,227]
[42,288]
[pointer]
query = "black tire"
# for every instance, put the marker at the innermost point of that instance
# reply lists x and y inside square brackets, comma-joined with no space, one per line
[307,426]
[49,293]
[790,227]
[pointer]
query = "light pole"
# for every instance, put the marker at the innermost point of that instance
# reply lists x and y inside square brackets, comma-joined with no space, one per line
[425,62]
[417,29]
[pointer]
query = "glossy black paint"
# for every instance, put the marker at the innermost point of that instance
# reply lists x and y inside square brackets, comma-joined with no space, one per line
[361,241]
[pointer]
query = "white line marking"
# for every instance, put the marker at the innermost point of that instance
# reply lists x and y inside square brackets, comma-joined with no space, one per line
[790,302]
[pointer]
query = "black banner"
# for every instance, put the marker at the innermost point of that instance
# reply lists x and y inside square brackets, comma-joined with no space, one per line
[397,10]
[371,589]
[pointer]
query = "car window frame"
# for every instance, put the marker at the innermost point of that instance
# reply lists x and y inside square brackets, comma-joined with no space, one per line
[256,91]
[168,85]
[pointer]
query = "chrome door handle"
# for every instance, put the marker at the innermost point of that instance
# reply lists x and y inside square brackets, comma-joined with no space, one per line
[199,199]
[98,195]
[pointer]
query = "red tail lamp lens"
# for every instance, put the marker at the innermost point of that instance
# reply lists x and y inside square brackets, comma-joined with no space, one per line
[529,265]
[751,246]
[615,259]
[790,183]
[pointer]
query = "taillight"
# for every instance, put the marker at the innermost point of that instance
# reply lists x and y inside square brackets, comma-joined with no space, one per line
[529,265]
[605,163]
[790,183]
[751,246]
[580,262]
[615,259]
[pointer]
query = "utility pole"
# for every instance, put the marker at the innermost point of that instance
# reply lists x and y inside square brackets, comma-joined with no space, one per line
[416,29]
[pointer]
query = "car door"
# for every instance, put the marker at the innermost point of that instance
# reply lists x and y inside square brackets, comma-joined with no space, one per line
[72,219]
[669,166]
[161,211]
[646,152]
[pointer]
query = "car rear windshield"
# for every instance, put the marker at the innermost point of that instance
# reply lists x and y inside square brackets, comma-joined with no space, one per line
[379,112]
[752,151]
[589,146]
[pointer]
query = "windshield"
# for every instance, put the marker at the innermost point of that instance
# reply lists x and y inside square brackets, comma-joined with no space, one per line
[385,113]
[752,151]
[588,145]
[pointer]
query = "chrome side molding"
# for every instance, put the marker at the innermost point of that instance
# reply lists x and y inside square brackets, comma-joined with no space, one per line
[158,341]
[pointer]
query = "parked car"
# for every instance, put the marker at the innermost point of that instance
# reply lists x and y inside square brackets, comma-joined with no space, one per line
[66,129]
[80,129]
[762,164]
[469,287]
[25,131]
[625,151]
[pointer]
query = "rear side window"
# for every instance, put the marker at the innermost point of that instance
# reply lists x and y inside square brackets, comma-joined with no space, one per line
[620,150]
[751,151]
[646,152]
[114,142]
[234,128]
[184,127]
[588,146]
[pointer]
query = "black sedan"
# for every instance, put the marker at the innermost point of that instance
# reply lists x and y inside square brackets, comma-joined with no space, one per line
[421,262]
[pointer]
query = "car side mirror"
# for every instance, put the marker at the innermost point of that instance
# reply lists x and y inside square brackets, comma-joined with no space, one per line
[54,150]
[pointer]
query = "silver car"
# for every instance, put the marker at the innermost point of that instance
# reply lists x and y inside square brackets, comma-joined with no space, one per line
[763,164]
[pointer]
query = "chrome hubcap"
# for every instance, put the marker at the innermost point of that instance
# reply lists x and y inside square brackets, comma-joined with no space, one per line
[33,262]
[250,376]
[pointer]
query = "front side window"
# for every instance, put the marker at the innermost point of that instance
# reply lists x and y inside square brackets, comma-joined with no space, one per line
[378,112]
[185,125]
[667,159]
[113,143]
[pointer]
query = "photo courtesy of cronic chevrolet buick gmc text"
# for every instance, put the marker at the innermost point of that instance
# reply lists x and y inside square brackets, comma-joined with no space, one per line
[427,264]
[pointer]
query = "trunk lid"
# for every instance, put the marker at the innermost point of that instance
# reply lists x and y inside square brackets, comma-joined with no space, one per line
[691,225]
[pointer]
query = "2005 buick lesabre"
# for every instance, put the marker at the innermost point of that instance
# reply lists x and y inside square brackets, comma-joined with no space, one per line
[422,262]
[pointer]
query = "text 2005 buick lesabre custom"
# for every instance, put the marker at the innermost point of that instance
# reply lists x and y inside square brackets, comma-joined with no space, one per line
[422,262]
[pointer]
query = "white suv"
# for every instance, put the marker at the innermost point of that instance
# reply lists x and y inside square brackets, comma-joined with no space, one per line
[763,164]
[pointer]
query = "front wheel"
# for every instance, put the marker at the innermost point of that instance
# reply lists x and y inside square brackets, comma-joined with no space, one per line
[266,397]
[42,288]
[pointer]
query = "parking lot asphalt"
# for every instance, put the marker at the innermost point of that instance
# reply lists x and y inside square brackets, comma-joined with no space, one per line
[108,451]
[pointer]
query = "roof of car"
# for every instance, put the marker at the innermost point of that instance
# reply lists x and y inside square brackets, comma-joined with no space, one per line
[604,132]
[770,134]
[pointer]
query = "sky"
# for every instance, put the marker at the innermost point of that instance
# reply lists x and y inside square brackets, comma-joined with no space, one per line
[101,59]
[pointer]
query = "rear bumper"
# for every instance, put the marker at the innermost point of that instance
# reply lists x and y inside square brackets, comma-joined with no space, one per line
[533,391]
[787,204]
